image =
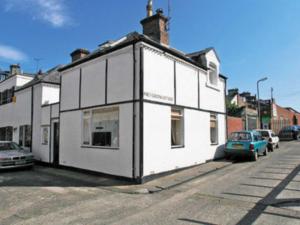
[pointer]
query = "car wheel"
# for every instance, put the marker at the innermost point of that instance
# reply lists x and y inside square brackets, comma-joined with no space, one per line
[254,156]
[271,148]
[266,151]
[227,156]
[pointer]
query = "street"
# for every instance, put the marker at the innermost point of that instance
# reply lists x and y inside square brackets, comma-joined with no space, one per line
[262,192]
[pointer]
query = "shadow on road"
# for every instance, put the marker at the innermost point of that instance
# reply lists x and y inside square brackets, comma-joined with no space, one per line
[49,177]
[270,199]
[196,221]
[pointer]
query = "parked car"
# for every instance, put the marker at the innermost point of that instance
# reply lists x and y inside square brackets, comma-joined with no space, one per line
[13,156]
[290,133]
[246,143]
[271,137]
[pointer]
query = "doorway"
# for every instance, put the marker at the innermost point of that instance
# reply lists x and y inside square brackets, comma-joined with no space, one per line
[55,145]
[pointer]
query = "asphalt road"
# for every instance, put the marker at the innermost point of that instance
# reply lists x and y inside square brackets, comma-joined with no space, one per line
[262,192]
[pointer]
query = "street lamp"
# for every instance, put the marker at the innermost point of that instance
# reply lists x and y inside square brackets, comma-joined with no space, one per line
[258,103]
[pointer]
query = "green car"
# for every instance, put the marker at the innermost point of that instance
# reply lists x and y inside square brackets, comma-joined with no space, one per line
[246,143]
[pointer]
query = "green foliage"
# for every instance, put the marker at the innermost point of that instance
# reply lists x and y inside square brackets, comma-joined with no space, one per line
[233,109]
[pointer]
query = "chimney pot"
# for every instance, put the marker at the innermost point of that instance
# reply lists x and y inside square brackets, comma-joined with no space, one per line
[15,69]
[79,54]
[155,27]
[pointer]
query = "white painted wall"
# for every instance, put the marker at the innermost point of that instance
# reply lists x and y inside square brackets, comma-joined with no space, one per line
[115,162]
[158,77]
[17,114]
[212,98]
[158,154]
[186,85]
[70,90]
[120,76]
[93,84]
[14,81]
[22,80]
[50,93]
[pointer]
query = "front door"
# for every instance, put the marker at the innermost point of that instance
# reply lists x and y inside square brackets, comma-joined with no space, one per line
[55,143]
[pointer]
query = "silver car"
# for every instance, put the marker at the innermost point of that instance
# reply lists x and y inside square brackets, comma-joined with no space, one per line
[13,156]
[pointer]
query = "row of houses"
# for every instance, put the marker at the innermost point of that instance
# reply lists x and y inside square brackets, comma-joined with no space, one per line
[133,108]
[242,110]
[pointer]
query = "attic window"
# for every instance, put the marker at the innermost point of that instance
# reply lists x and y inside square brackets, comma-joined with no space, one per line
[213,74]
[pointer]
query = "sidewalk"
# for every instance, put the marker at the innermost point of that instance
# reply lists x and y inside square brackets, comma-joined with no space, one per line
[67,178]
[173,180]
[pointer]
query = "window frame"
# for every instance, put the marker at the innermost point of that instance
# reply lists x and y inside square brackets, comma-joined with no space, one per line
[182,128]
[90,119]
[42,135]
[217,128]
[25,129]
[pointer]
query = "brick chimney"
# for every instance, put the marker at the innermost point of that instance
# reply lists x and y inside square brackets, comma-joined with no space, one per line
[15,69]
[155,26]
[79,53]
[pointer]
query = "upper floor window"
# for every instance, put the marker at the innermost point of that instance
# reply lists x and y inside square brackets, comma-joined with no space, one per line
[7,96]
[213,74]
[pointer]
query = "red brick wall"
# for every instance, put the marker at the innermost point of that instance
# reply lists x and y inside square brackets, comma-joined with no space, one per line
[234,124]
[287,114]
[284,118]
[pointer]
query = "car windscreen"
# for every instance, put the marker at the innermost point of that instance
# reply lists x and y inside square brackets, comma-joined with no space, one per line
[264,133]
[7,146]
[240,136]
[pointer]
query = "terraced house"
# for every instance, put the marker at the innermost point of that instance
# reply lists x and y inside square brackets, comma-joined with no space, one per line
[22,96]
[136,107]
[133,108]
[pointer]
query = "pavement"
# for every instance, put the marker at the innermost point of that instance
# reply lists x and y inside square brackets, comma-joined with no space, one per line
[221,192]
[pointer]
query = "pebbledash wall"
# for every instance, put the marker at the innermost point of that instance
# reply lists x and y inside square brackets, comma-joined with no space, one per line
[143,83]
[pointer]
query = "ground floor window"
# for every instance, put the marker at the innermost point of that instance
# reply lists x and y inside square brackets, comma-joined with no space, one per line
[6,133]
[213,129]
[177,131]
[100,127]
[45,135]
[25,136]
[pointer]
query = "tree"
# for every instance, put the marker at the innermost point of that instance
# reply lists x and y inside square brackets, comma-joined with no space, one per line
[233,109]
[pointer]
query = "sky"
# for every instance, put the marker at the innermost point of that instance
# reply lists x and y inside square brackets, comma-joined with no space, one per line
[253,38]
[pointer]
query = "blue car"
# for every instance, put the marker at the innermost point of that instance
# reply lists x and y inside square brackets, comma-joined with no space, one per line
[246,143]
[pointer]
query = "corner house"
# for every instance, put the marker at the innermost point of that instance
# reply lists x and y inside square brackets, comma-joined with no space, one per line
[137,107]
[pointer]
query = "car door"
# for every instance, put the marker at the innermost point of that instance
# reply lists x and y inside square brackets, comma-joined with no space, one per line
[261,143]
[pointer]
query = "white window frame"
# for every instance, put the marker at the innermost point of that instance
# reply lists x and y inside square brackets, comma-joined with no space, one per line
[43,141]
[24,135]
[217,128]
[212,67]
[90,118]
[181,110]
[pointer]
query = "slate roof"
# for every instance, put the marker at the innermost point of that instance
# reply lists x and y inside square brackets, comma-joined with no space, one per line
[130,39]
[51,76]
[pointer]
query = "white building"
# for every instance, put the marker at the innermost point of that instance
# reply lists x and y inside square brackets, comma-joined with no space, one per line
[133,108]
[137,107]
[25,100]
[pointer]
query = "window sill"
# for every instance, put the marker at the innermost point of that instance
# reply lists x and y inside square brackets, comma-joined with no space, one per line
[177,146]
[99,147]
[212,86]
[214,144]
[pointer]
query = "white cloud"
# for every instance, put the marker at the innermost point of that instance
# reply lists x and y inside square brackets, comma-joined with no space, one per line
[51,11]
[10,53]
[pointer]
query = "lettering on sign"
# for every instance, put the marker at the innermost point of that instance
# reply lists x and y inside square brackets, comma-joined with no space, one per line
[157,96]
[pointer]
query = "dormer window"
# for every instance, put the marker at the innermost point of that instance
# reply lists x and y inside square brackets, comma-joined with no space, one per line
[213,74]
